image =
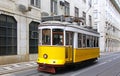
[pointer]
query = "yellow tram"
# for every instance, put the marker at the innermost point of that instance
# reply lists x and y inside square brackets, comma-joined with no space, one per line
[62,43]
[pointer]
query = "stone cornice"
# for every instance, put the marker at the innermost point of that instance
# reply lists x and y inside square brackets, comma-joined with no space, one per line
[116,5]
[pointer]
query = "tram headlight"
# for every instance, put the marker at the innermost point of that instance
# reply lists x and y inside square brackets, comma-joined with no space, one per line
[45,56]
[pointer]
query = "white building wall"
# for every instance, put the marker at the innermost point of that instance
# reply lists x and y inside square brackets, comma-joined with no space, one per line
[46,7]
[80,4]
[107,19]
[10,7]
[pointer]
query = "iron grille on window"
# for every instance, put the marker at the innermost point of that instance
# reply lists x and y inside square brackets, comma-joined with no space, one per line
[33,37]
[8,35]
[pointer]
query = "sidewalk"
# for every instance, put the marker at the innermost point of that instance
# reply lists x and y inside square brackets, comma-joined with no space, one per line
[10,68]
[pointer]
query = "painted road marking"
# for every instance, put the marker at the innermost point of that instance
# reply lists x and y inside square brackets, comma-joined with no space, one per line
[15,65]
[29,64]
[7,68]
[93,67]
[88,69]
[8,75]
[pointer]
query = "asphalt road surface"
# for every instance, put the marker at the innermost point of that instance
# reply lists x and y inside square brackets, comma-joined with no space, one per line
[107,65]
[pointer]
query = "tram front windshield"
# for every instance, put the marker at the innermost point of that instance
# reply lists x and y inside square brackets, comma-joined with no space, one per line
[55,39]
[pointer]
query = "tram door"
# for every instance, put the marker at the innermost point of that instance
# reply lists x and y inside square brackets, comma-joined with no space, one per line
[69,44]
[58,37]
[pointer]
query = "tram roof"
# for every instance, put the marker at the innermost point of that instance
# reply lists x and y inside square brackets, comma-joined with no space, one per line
[74,25]
[56,22]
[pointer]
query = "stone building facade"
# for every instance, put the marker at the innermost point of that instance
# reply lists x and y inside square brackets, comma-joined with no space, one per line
[107,21]
[19,20]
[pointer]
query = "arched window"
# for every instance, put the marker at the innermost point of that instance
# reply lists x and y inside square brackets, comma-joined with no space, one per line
[33,37]
[8,35]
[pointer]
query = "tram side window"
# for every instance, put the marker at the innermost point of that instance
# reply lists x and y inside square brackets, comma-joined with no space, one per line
[96,41]
[88,40]
[92,41]
[46,36]
[84,41]
[40,37]
[69,38]
[79,40]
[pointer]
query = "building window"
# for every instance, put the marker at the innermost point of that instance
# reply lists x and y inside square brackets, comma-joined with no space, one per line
[84,16]
[76,12]
[95,1]
[67,8]
[84,1]
[95,14]
[33,37]
[8,35]
[95,23]
[90,3]
[35,3]
[90,20]
[54,7]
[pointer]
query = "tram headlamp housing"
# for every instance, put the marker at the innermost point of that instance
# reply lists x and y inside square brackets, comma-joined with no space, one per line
[45,56]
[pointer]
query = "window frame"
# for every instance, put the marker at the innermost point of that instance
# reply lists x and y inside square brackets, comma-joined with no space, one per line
[54,7]
[33,38]
[84,43]
[60,41]
[90,20]
[90,3]
[8,35]
[67,8]
[36,3]
[84,16]
[48,30]
[95,14]
[76,12]
[70,38]
[80,40]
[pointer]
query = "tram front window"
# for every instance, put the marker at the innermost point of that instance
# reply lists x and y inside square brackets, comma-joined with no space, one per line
[57,37]
[46,36]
